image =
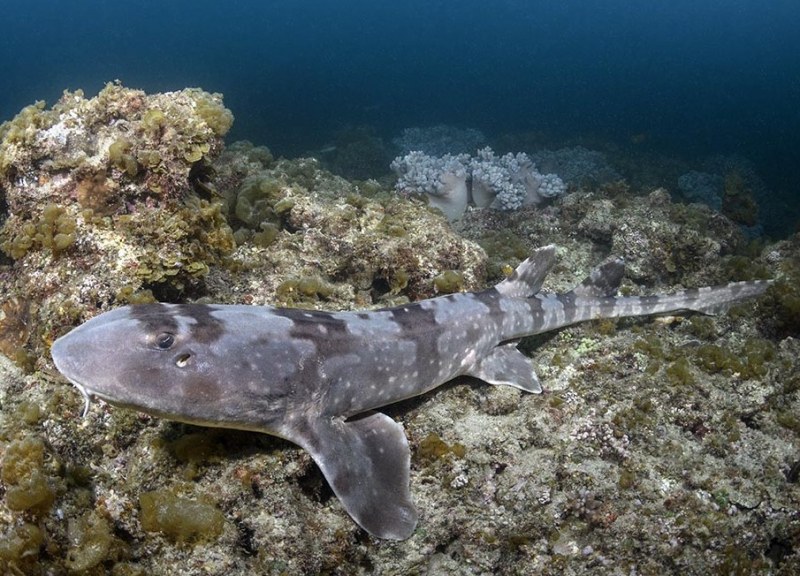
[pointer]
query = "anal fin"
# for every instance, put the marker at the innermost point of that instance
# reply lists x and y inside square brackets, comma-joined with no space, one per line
[366,461]
[507,366]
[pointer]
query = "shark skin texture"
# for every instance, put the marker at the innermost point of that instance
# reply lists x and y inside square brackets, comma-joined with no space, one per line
[316,378]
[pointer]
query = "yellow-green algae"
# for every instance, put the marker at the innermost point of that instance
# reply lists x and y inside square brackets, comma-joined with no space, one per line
[119,156]
[20,548]
[448,282]
[28,486]
[54,231]
[432,448]
[178,518]
[91,542]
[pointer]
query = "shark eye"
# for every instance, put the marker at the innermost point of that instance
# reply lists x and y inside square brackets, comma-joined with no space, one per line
[165,340]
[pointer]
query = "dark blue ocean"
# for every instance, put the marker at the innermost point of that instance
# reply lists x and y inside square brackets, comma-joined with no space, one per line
[686,78]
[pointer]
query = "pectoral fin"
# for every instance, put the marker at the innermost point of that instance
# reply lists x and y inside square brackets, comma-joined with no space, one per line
[366,461]
[507,366]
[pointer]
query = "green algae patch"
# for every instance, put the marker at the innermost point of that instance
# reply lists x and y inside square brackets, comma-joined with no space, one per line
[130,295]
[258,200]
[54,230]
[91,542]
[210,109]
[502,247]
[180,519]
[432,448]
[751,361]
[27,484]
[120,157]
[780,306]
[267,235]
[679,373]
[449,282]
[295,290]
[19,550]
[197,448]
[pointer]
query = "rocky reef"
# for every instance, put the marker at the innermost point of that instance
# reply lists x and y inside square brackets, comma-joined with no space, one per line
[659,446]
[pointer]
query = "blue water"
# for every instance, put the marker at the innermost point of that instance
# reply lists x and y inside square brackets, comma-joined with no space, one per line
[687,77]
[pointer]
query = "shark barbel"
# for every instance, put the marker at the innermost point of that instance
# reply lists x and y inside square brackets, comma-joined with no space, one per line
[315,378]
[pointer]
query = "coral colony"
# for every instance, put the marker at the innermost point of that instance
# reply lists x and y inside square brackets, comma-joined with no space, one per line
[451,182]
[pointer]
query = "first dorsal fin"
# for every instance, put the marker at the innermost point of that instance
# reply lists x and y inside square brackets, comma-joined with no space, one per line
[527,278]
[602,281]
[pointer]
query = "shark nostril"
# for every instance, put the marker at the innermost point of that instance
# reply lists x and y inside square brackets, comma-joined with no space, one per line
[182,360]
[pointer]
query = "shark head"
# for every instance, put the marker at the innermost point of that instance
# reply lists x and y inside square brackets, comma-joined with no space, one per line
[171,361]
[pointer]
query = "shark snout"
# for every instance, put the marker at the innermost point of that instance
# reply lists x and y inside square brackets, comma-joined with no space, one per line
[63,358]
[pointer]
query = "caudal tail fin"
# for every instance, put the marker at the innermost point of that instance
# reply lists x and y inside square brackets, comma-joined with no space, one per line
[707,300]
[598,289]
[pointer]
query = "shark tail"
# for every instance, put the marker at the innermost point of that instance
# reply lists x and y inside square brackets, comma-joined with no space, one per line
[707,300]
[603,282]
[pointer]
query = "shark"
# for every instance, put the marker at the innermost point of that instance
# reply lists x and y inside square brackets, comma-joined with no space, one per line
[317,378]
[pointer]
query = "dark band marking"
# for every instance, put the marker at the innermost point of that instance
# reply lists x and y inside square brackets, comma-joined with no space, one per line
[307,323]
[162,318]
[413,319]
[155,318]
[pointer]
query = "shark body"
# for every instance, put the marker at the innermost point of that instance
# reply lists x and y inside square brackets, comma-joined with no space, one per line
[315,378]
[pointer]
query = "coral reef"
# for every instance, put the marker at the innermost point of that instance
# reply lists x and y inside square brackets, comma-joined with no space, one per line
[730,185]
[702,187]
[510,181]
[738,203]
[331,243]
[451,182]
[108,184]
[443,179]
[665,445]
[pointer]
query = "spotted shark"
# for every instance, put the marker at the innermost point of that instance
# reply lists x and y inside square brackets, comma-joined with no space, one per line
[316,378]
